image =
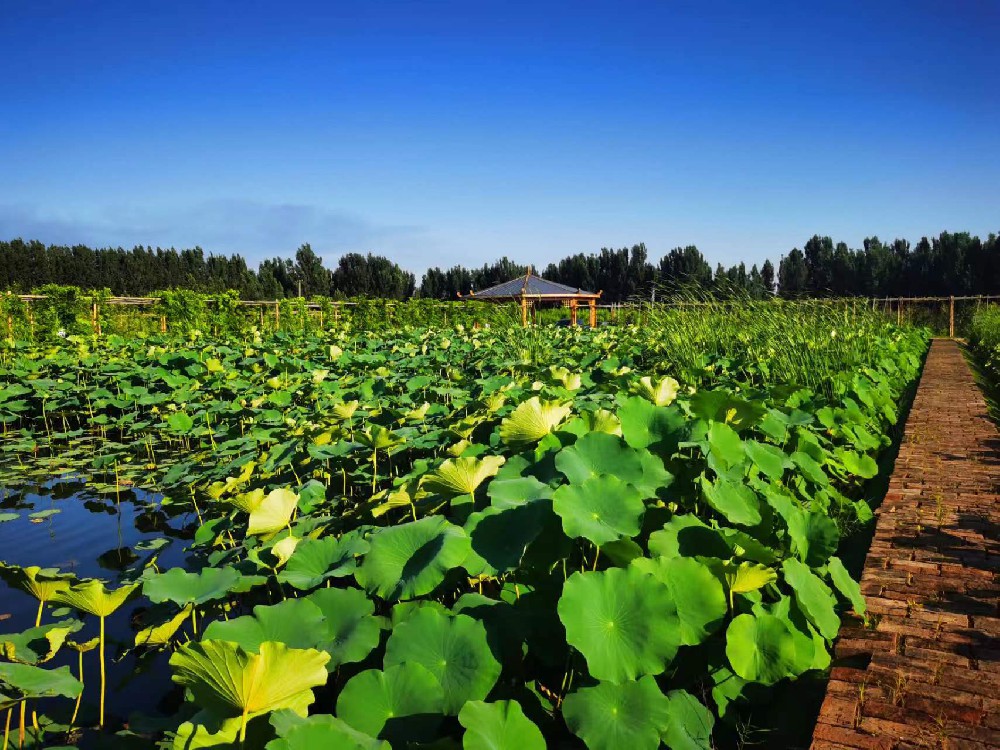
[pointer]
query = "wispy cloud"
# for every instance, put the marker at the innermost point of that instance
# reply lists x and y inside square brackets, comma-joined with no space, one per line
[254,229]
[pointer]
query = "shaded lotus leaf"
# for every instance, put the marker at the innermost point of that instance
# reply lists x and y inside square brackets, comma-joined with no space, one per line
[532,420]
[602,509]
[721,406]
[178,586]
[325,731]
[500,536]
[498,726]
[622,620]
[745,546]
[611,716]
[688,535]
[284,548]
[810,468]
[38,644]
[598,453]
[761,649]
[696,592]
[510,493]
[273,513]
[351,629]
[316,560]
[662,393]
[771,460]
[813,596]
[737,503]
[690,723]
[23,681]
[461,476]
[412,559]
[645,425]
[453,648]
[297,623]
[810,647]
[814,535]
[41,583]
[92,597]
[160,634]
[846,585]
[401,704]
[230,682]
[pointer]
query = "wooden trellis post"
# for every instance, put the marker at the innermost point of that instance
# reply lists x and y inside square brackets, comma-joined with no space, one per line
[95,319]
[951,316]
[277,317]
[163,324]
[572,312]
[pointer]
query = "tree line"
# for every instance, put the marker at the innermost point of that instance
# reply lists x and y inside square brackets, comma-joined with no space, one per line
[952,263]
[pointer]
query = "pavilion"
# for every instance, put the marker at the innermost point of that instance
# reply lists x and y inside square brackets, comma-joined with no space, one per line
[533,290]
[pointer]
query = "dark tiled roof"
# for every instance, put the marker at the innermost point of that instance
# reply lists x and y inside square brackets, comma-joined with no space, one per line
[535,285]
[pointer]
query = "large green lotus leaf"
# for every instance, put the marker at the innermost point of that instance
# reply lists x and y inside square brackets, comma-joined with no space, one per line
[810,647]
[859,465]
[351,628]
[500,537]
[180,422]
[602,509]
[228,681]
[696,591]
[325,731]
[412,559]
[274,512]
[401,704]
[725,446]
[23,681]
[517,491]
[688,535]
[316,560]
[846,585]
[297,623]
[771,460]
[93,598]
[454,649]
[737,503]
[41,583]
[181,587]
[762,649]
[814,535]
[720,406]
[622,620]
[690,724]
[645,425]
[612,716]
[810,468]
[532,420]
[599,453]
[39,644]
[498,726]
[813,596]
[461,476]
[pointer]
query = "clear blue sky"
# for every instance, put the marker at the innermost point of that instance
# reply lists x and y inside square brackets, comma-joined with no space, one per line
[446,132]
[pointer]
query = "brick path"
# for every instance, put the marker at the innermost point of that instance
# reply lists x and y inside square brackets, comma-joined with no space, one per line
[927,675]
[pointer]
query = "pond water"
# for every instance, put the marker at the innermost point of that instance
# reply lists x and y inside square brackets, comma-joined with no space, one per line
[92,532]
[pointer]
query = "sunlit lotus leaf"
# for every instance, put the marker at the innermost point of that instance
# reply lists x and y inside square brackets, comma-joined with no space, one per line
[41,583]
[737,503]
[412,559]
[351,629]
[662,393]
[283,549]
[688,535]
[725,447]
[810,468]
[608,716]
[498,726]
[532,420]
[378,437]
[180,422]
[401,704]
[453,648]
[814,535]
[622,620]
[325,731]
[24,681]
[178,586]
[761,649]
[274,512]
[602,420]
[846,585]
[297,623]
[813,596]
[645,425]
[600,453]
[690,723]
[92,597]
[462,476]
[747,577]
[500,536]
[601,509]
[39,644]
[8,517]
[228,681]
[345,410]
[162,633]
[696,592]
[316,560]
[858,464]
[771,460]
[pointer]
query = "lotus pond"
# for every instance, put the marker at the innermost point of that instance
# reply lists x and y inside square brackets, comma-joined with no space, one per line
[484,539]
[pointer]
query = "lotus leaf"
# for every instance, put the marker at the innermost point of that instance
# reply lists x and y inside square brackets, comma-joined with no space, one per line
[325,731]
[92,597]
[814,597]
[696,592]
[273,513]
[690,725]
[24,681]
[316,560]
[599,453]
[500,537]
[401,704]
[498,726]
[761,649]
[602,509]
[611,716]
[737,503]
[297,623]
[181,587]
[846,585]
[645,425]
[462,476]
[532,420]
[351,629]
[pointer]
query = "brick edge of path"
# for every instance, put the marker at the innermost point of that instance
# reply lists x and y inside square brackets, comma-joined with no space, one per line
[927,675]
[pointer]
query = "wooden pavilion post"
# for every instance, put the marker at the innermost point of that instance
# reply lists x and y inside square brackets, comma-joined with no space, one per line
[572,312]
[95,321]
[277,316]
[592,304]
[951,316]
[524,311]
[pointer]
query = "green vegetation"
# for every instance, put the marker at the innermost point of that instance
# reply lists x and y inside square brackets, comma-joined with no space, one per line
[984,336]
[498,538]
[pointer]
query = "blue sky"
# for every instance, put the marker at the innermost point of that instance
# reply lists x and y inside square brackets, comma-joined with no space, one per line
[456,132]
